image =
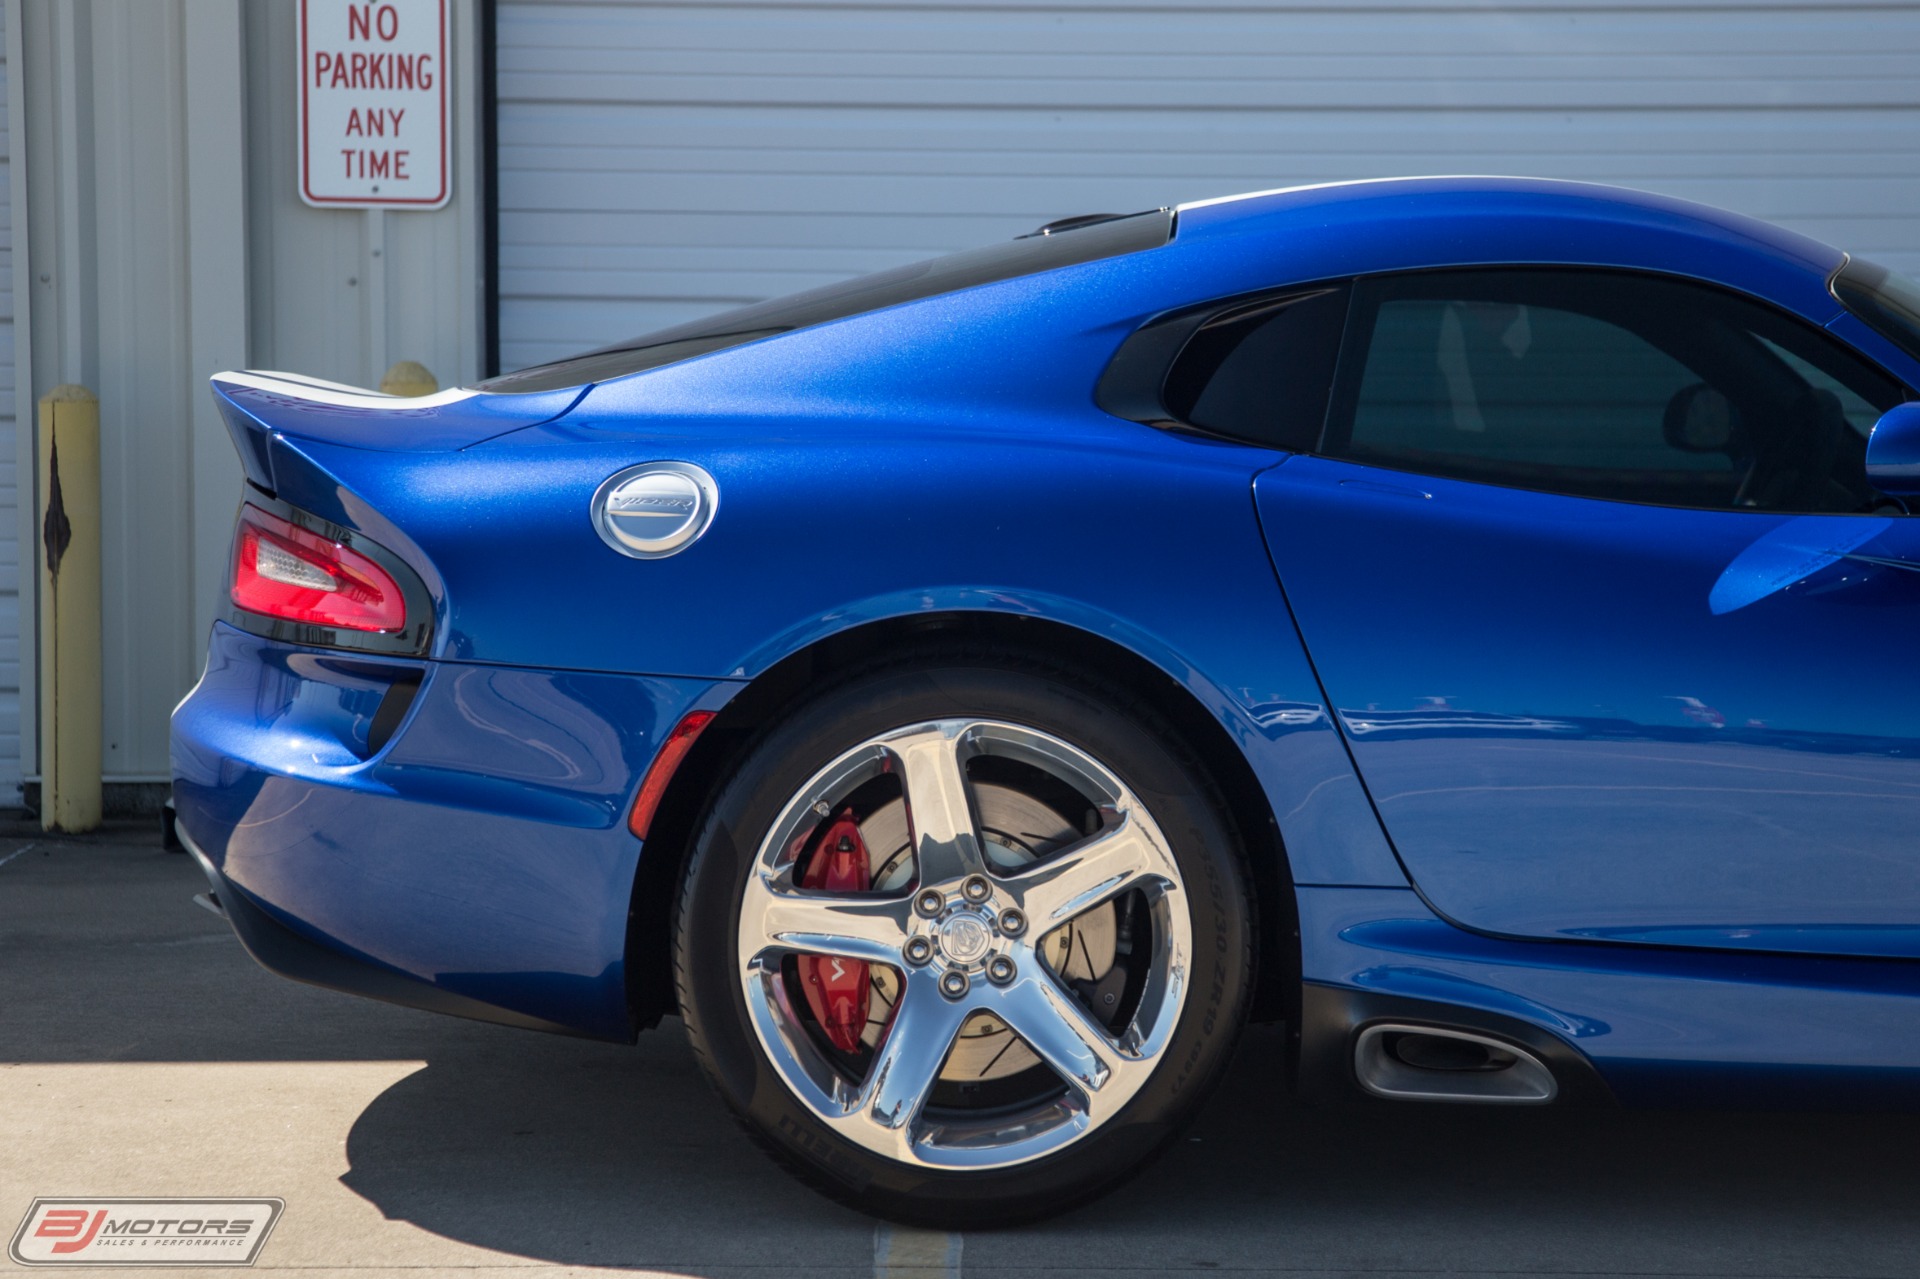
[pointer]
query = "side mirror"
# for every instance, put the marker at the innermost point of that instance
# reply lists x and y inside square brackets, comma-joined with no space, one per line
[1893,451]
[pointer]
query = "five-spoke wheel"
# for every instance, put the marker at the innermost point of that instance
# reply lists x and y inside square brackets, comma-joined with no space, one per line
[966,940]
[961,974]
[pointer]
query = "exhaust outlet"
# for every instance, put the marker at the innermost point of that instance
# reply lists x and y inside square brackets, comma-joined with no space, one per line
[1428,1063]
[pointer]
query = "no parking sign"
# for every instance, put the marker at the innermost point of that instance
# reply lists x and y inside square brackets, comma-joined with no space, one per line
[373,104]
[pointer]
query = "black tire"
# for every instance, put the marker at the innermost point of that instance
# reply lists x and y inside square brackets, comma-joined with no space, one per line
[1127,737]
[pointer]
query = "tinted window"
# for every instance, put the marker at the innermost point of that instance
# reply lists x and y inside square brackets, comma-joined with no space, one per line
[1260,372]
[1860,414]
[1027,255]
[1888,302]
[1604,384]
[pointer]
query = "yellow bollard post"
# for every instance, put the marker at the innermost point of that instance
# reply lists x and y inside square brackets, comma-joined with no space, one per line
[408,378]
[69,609]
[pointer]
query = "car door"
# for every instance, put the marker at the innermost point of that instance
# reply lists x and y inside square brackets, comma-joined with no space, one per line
[1618,633]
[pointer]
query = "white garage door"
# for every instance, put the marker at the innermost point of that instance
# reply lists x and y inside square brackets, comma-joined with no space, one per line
[661,162]
[9,521]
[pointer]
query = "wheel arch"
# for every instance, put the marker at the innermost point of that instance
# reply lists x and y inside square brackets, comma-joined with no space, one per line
[766,697]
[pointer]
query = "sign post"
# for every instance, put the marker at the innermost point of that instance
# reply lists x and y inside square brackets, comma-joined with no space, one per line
[373,104]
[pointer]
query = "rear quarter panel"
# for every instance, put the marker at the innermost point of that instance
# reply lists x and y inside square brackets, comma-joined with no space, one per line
[1146,539]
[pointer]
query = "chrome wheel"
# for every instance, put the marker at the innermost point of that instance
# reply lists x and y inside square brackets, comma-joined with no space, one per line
[1025,937]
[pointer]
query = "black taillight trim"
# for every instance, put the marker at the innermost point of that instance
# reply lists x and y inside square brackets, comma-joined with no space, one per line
[413,641]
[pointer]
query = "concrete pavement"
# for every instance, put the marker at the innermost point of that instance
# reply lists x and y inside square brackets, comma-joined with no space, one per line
[142,1053]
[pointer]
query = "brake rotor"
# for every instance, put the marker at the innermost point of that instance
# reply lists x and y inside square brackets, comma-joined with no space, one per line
[1017,830]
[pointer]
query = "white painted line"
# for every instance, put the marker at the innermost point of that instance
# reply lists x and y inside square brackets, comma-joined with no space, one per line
[908,1252]
[16,852]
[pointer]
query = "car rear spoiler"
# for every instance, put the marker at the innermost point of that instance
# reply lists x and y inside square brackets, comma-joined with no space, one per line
[258,406]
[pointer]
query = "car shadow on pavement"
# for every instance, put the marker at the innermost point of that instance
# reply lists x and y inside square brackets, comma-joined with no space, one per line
[588,1154]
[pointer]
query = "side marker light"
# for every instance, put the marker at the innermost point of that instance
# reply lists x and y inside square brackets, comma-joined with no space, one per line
[664,766]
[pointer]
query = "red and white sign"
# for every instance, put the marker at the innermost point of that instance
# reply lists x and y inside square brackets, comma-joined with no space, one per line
[373,104]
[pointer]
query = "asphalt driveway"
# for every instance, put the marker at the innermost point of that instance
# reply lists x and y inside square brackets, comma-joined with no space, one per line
[142,1053]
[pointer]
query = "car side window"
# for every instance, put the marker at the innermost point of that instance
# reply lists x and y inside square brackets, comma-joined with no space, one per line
[1604,384]
[1261,371]
[1860,414]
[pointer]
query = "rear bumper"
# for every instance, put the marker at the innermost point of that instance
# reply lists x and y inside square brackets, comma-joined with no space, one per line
[280,949]
[435,834]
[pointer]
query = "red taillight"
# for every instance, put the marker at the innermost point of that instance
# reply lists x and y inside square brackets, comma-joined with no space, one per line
[665,764]
[281,570]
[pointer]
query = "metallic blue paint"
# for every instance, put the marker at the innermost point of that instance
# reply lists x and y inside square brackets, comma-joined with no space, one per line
[1582,718]
[1037,531]
[1623,750]
[483,851]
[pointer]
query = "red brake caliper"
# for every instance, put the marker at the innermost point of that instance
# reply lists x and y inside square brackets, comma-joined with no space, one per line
[837,988]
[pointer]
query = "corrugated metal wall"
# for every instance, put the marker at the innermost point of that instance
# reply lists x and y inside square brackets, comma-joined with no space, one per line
[136,238]
[9,488]
[167,243]
[658,161]
[137,343]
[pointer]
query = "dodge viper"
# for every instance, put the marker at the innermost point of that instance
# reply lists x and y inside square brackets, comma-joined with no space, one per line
[1449,617]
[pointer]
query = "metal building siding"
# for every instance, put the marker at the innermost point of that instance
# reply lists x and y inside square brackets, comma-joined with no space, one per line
[9,500]
[658,162]
[146,128]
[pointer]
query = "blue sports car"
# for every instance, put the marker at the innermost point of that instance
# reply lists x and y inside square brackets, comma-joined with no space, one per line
[1447,616]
